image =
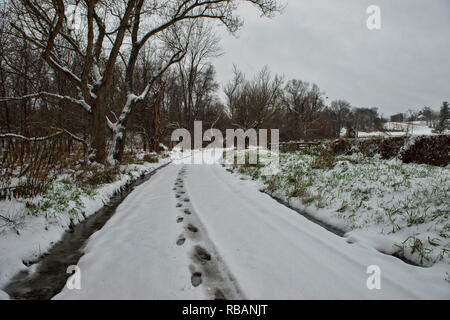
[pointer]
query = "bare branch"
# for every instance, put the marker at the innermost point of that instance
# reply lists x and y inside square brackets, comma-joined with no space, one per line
[81,103]
[37,139]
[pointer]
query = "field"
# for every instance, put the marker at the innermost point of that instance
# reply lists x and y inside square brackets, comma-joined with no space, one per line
[398,208]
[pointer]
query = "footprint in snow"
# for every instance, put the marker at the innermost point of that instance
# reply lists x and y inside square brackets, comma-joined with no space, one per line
[201,255]
[218,295]
[181,240]
[196,279]
[192,228]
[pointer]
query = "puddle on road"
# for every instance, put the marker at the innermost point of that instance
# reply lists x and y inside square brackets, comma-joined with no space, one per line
[49,276]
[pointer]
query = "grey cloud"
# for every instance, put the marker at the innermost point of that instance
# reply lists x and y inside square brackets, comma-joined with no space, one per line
[404,65]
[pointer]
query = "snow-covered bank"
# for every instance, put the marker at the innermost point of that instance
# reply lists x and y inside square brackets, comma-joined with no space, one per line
[34,228]
[394,207]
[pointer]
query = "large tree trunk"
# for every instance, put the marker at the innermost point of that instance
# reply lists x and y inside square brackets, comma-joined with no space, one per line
[157,120]
[120,130]
[98,143]
[119,138]
[5,104]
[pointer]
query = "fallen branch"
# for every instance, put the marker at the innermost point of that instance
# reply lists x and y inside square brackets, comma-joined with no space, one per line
[33,139]
[81,103]
[6,219]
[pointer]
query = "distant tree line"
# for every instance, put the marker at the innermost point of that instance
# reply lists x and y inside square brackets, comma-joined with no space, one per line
[296,107]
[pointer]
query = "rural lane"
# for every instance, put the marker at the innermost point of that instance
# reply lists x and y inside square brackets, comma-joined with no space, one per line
[199,232]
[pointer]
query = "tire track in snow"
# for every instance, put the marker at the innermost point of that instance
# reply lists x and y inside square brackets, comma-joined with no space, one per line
[207,269]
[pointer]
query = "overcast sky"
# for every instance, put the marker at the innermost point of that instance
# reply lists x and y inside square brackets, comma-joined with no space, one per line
[405,65]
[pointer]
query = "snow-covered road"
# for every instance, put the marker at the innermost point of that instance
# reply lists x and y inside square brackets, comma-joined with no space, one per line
[199,232]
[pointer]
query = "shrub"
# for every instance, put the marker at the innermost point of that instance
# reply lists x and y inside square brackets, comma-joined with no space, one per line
[100,175]
[150,158]
[432,150]
[325,160]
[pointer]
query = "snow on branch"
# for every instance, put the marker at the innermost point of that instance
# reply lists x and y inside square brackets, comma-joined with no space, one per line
[111,125]
[81,102]
[132,98]
[43,138]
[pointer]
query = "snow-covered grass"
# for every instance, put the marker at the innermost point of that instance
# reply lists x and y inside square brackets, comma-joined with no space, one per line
[63,195]
[29,227]
[397,208]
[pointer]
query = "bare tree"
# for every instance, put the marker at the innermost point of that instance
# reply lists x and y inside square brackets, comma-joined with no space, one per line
[125,26]
[341,115]
[252,103]
[195,68]
[303,103]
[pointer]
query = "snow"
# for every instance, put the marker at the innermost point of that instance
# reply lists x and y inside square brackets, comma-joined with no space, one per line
[275,253]
[406,205]
[267,250]
[407,126]
[362,134]
[34,235]
[135,256]
[270,251]
[397,129]
[3,295]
